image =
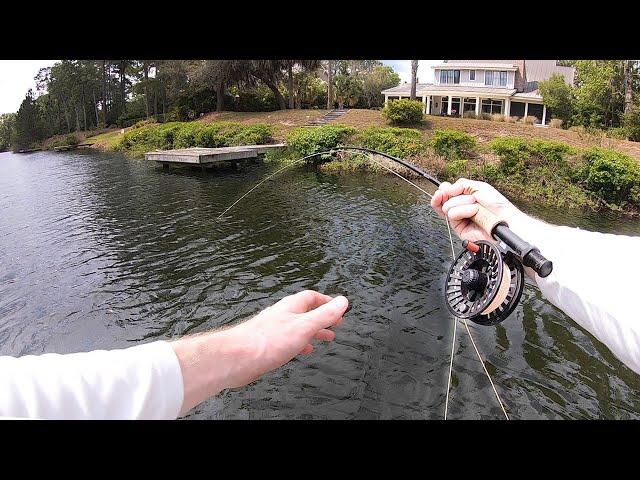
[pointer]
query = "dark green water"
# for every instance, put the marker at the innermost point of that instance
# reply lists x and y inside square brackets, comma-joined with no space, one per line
[99,251]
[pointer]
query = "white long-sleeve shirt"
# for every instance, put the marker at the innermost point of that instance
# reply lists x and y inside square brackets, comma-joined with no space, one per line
[592,281]
[142,382]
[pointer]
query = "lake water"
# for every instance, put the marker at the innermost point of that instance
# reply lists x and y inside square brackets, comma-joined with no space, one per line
[101,251]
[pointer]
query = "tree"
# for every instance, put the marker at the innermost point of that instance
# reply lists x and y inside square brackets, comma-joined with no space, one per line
[7,121]
[414,78]
[558,96]
[330,67]
[380,78]
[28,126]
[348,90]
[598,93]
[629,67]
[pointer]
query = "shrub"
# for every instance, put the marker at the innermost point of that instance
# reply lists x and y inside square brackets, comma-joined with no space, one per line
[620,133]
[399,142]
[403,111]
[455,169]
[307,140]
[452,144]
[529,120]
[71,139]
[555,123]
[611,175]
[512,119]
[498,117]
[185,137]
[484,116]
[469,114]
[549,151]
[143,123]
[631,122]
[512,151]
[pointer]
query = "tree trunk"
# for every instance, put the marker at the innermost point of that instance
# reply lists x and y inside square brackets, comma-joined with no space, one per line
[628,86]
[291,95]
[123,92]
[414,78]
[330,86]
[274,88]
[104,92]
[220,97]
[95,105]
[145,67]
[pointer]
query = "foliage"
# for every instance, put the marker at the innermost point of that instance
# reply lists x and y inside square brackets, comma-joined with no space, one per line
[555,123]
[7,121]
[558,97]
[631,122]
[348,90]
[597,101]
[193,134]
[515,153]
[611,175]
[28,129]
[403,111]
[306,141]
[452,144]
[381,78]
[454,169]
[399,142]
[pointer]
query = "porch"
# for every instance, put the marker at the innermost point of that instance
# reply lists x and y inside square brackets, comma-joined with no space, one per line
[456,106]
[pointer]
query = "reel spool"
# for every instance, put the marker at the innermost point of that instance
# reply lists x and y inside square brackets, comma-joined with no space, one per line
[484,283]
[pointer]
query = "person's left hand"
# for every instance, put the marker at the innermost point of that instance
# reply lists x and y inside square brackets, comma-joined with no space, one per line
[236,356]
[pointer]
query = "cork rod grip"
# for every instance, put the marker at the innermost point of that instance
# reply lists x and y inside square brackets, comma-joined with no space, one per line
[487,220]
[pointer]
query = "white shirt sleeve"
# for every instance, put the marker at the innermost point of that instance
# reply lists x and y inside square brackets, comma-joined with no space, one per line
[594,281]
[142,382]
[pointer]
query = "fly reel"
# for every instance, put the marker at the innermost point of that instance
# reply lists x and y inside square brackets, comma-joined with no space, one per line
[484,283]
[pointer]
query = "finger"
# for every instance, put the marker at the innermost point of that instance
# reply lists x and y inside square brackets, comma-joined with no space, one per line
[326,315]
[308,348]
[303,301]
[462,211]
[456,201]
[325,335]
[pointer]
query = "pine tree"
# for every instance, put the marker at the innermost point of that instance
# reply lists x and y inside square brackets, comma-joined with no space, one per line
[28,125]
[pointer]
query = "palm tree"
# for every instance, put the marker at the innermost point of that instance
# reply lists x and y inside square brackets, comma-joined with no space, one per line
[414,78]
[307,65]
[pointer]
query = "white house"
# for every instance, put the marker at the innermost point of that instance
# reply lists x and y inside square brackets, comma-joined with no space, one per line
[507,87]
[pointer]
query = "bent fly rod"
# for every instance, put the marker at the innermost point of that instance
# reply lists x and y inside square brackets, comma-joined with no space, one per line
[485,281]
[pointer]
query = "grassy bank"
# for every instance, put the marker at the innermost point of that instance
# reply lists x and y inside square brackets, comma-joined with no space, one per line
[547,166]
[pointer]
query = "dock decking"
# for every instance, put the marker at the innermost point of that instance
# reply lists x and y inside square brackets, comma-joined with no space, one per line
[207,156]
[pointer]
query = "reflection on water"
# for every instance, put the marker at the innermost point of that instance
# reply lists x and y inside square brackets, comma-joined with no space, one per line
[98,251]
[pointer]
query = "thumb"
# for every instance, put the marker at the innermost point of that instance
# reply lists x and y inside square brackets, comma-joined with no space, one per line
[327,314]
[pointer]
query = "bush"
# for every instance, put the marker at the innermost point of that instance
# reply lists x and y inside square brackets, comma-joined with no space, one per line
[469,114]
[631,123]
[555,123]
[498,117]
[455,169]
[403,111]
[512,151]
[611,175]
[399,142]
[529,120]
[452,144]
[143,123]
[306,141]
[619,133]
[484,116]
[551,152]
[170,135]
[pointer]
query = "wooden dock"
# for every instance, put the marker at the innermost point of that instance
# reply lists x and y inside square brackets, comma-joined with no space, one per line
[208,156]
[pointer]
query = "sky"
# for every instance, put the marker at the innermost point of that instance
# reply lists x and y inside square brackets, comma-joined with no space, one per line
[17,76]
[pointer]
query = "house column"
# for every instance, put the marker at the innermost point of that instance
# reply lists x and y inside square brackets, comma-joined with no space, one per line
[526,109]
[449,105]
[428,112]
[544,114]
[477,106]
[507,107]
[424,102]
[386,99]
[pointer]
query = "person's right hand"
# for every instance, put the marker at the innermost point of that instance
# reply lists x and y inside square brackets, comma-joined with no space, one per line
[459,202]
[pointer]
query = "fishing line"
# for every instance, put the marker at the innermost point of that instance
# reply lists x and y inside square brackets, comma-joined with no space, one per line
[434,181]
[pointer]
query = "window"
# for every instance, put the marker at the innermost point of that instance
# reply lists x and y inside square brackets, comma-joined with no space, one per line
[491,106]
[472,75]
[495,78]
[488,77]
[449,76]
[503,79]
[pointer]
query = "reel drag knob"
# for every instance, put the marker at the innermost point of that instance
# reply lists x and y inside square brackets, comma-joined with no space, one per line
[484,284]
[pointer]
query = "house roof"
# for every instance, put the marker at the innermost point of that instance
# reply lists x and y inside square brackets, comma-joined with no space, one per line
[429,89]
[539,70]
